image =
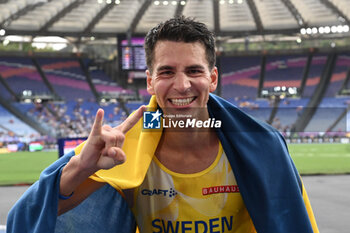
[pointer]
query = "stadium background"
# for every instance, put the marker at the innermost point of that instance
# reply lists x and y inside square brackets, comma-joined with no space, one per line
[286,62]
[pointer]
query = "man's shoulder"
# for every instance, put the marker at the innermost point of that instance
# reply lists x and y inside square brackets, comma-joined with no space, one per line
[235,119]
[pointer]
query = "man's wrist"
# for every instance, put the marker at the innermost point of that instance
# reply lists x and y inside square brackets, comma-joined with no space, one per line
[62,197]
[73,174]
[81,169]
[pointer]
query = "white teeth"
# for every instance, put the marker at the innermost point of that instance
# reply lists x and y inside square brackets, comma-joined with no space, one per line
[181,102]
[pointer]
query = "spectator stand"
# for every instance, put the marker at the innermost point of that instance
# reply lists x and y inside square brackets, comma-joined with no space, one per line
[339,74]
[284,71]
[21,75]
[13,130]
[327,113]
[315,72]
[240,76]
[66,77]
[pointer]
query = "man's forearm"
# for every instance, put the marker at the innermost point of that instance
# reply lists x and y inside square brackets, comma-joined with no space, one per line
[72,176]
[74,179]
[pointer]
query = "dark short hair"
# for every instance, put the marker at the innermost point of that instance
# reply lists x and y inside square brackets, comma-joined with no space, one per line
[180,29]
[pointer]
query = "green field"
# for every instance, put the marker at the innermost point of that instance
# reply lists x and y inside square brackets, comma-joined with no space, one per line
[25,167]
[321,158]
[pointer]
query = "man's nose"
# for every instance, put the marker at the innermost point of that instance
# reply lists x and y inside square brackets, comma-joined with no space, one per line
[182,82]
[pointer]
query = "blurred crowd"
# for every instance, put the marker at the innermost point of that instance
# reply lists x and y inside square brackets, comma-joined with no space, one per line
[62,121]
[75,119]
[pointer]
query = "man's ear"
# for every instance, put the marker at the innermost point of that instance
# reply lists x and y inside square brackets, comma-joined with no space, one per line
[213,79]
[150,88]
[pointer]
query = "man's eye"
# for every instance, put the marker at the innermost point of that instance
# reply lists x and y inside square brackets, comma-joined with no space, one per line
[194,71]
[166,72]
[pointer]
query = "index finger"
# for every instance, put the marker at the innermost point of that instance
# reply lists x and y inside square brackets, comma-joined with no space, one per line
[132,119]
[96,127]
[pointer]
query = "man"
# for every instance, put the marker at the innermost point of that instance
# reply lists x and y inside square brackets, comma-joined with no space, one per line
[227,173]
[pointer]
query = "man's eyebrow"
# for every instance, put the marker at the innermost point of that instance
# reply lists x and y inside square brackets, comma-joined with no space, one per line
[195,67]
[166,67]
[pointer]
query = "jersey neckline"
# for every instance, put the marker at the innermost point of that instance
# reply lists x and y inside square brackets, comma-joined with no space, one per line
[189,175]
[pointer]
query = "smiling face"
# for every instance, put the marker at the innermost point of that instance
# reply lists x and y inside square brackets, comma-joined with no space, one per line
[180,78]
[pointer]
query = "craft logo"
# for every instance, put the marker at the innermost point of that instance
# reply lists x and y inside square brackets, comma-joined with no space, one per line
[221,189]
[159,192]
[151,120]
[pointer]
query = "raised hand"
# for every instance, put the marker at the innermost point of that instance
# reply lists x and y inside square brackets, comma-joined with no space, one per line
[103,148]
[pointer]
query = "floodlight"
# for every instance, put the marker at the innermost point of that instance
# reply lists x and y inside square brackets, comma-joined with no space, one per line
[327,29]
[340,28]
[321,30]
[264,92]
[2,32]
[292,90]
[334,29]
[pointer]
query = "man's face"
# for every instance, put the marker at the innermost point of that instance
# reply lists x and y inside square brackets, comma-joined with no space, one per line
[181,79]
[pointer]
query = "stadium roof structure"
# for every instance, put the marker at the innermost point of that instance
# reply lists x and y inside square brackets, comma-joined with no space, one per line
[231,18]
